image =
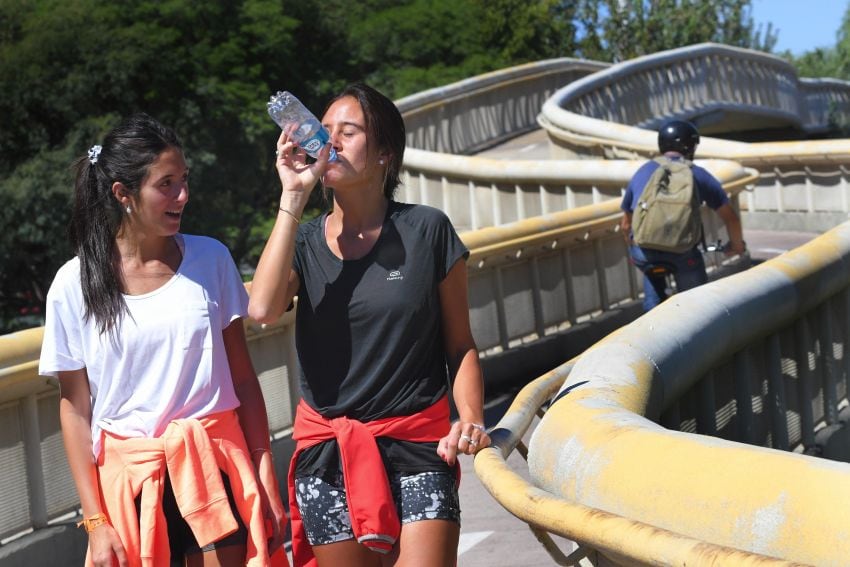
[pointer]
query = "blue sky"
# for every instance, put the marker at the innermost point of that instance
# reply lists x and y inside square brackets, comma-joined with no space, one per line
[803,24]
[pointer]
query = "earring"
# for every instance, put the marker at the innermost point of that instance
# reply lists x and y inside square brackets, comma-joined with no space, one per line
[380,162]
[128,209]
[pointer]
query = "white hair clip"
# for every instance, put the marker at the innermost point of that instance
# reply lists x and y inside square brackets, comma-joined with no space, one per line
[94,152]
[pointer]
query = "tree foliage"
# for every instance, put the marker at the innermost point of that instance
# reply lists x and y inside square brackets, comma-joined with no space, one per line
[616,30]
[70,69]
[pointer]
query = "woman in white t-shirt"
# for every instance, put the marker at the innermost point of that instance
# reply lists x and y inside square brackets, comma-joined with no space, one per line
[162,415]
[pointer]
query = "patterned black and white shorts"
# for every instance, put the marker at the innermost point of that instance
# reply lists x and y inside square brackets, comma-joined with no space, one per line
[418,496]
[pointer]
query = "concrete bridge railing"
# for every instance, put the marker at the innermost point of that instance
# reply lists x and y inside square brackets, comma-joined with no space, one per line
[614,114]
[758,358]
[479,192]
[479,112]
[444,124]
[803,183]
[719,87]
[826,102]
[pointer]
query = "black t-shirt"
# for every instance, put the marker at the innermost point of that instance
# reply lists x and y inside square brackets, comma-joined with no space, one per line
[368,331]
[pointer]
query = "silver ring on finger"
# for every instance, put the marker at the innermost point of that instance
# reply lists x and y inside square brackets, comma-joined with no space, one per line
[468,439]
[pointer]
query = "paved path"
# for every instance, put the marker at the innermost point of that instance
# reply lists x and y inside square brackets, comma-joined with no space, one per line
[490,536]
[765,244]
[533,145]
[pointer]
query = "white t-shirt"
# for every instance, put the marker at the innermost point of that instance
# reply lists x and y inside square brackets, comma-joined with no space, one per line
[166,359]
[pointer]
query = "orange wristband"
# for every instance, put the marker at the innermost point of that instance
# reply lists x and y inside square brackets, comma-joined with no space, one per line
[92,522]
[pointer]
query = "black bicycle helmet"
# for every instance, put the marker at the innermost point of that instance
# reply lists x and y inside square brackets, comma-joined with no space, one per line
[678,136]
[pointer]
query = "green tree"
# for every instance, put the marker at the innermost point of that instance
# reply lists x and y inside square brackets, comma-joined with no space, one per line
[69,70]
[616,30]
[820,62]
[419,44]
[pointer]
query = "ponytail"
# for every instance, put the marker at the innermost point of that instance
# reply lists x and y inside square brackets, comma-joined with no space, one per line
[126,155]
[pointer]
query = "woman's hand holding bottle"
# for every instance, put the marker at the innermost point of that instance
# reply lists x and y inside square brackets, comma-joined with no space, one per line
[297,177]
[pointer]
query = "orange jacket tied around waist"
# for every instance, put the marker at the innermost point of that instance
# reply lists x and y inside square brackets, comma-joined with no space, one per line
[194,452]
[374,518]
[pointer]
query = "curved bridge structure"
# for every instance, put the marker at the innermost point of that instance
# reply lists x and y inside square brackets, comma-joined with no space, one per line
[699,434]
[738,92]
[656,423]
[721,399]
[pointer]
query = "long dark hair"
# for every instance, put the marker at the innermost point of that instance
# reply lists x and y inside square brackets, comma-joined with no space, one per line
[126,154]
[384,125]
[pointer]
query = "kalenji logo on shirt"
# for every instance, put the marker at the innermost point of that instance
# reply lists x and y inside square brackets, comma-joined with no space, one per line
[394,275]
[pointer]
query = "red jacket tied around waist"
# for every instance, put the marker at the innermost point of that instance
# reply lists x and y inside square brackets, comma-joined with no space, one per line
[374,518]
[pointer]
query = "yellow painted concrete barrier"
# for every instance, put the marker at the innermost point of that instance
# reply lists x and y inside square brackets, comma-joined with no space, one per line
[598,448]
[619,539]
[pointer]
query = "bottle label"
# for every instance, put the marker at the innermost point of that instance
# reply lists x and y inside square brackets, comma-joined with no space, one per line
[313,145]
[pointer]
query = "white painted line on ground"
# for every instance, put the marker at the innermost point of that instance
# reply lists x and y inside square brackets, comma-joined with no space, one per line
[470,540]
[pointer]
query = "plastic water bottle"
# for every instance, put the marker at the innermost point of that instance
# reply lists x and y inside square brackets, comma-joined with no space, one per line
[306,130]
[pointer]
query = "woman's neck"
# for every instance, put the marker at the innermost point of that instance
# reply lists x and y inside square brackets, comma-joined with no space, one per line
[141,248]
[352,216]
[354,226]
[146,264]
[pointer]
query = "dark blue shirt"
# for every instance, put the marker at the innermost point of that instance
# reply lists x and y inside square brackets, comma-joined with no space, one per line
[708,187]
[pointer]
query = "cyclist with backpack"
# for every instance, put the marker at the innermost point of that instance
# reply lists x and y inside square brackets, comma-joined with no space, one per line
[661,214]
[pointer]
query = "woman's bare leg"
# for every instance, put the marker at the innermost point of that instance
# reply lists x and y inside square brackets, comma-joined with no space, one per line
[426,543]
[346,553]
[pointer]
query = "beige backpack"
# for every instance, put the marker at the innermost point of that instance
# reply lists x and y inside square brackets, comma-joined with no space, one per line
[667,216]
